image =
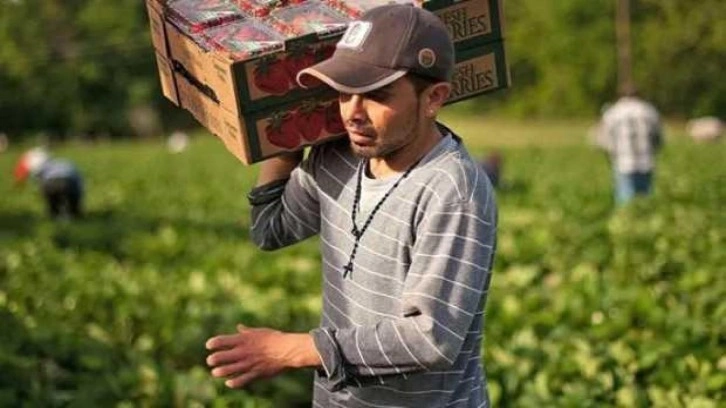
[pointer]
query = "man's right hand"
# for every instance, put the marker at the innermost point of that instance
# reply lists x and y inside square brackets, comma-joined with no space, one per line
[278,167]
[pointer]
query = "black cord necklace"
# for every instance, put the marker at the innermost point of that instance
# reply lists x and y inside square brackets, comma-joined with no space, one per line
[358,233]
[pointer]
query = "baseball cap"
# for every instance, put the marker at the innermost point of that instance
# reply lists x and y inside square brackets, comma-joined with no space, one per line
[385,44]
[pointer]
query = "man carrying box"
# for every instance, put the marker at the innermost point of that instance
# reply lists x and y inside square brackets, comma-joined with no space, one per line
[407,224]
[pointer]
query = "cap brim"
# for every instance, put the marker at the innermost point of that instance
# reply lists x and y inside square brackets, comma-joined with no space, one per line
[350,76]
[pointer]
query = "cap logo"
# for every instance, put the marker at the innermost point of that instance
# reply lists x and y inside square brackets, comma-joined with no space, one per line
[427,58]
[355,35]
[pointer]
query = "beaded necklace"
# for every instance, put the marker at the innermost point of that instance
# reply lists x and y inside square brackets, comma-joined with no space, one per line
[358,233]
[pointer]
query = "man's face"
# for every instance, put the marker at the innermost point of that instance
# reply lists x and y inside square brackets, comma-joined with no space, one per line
[382,122]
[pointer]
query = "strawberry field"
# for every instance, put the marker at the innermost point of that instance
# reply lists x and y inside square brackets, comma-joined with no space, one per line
[590,306]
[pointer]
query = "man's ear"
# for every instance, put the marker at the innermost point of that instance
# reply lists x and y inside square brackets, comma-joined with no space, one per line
[434,98]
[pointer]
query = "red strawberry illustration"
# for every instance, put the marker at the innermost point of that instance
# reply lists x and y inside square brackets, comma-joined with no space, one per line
[333,121]
[310,120]
[270,76]
[282,131]
[298,60]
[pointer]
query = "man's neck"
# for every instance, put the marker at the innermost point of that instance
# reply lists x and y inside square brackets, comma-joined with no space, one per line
[402,159]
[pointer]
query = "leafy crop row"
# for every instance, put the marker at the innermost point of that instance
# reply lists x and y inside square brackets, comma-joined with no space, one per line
[590,306]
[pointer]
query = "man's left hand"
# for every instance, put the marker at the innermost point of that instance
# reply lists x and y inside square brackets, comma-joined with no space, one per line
[254,353]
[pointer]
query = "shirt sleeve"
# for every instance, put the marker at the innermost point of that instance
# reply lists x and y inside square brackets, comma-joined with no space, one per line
[287,211]
[445,290]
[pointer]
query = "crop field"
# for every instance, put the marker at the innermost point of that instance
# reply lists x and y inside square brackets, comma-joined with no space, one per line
[590,305]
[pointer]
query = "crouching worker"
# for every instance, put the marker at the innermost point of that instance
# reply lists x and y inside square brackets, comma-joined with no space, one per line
[59,181]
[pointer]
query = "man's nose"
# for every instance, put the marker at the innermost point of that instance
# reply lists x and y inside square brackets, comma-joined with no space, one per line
[355,110]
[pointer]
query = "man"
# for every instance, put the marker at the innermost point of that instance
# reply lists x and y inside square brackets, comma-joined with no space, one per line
[59,180]
[632,130]
[407,225]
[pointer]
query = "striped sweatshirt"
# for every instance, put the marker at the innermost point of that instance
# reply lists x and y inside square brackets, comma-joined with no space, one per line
[405,327]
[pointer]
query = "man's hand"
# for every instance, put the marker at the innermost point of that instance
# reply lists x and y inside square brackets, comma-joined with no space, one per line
[278,167]
[254,353]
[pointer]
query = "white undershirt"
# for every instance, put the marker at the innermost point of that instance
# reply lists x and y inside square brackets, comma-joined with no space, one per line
[373,189]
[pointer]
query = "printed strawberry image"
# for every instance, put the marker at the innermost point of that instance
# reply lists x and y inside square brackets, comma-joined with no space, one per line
[270,76]
[297,60]
[310,120]
[282,131]
[333,121]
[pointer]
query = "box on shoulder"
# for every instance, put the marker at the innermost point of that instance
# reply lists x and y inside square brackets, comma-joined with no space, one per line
[254,104]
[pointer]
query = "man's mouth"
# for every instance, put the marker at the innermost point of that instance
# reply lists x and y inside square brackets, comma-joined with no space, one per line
[360,137]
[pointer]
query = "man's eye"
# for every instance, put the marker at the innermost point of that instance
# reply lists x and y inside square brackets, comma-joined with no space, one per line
[377,96]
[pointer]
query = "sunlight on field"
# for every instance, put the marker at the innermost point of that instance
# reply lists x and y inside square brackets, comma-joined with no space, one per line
[482,132]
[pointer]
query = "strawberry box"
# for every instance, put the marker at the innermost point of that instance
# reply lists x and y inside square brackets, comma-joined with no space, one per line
[238,77]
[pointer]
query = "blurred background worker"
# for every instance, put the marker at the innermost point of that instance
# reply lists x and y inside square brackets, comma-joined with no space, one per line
[492,165]
[633,133]
[59,181]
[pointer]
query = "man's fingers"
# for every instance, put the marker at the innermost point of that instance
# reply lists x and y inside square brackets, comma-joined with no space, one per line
[242,380]
[231,369]
[226,356]
[223,341]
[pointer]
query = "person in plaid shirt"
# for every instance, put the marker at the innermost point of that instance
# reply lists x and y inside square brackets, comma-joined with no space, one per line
[633,136]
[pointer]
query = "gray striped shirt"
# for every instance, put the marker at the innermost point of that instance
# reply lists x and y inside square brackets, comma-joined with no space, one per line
[405,328]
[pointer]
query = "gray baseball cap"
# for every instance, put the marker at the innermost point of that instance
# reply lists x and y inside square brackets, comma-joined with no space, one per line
[385,44]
